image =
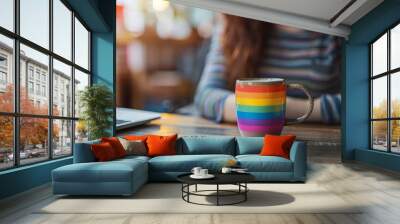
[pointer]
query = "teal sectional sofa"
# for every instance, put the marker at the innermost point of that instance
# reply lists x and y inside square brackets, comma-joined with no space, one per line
[125,176]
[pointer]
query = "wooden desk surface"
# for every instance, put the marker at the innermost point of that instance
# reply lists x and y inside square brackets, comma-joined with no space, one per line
[189,125]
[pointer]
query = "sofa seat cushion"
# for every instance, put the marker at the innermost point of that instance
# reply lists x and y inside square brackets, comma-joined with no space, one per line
[112,171]
[257,163]
[133,158]
[206,144]
[185,163]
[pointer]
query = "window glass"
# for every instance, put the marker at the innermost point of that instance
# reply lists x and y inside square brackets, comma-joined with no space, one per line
[395,95]
[395,136]
[379,135]
[33,140]
[379,97]
[81,82]
[7,14]
[379,56]
[395,47]
[6,142]
[81,131]
[81,45]
[62,29]
[6,74]
[62,89]
[39,62]
[62,138]
[35,21]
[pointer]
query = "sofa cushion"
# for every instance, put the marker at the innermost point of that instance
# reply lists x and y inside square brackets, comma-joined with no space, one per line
[83,152]
[277,145]
[257,163]
[159,145]
[112,171]
[103,152]
[206,144]
[249,145]
[185,163]
[134,147]
[116,145]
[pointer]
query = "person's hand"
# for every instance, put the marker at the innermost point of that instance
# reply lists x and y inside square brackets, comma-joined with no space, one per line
[230,109]
[297,107]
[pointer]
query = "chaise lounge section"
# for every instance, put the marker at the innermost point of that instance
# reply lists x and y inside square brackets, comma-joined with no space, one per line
[125,176]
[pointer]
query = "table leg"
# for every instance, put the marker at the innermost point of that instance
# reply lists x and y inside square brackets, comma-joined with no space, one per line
[195,188]
[188,190]
[217,194]
[245,193]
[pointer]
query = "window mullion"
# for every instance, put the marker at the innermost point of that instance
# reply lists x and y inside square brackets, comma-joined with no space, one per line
[73,82]
[16,84]
[50,81]
[389,113]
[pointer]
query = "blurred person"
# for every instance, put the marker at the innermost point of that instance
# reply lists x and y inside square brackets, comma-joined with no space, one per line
[246,48]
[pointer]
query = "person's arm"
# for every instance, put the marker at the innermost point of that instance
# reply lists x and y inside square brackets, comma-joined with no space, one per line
[326,109]
[212,90]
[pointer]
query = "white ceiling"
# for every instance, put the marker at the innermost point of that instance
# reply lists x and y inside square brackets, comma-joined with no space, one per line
[320,9]
[314,15]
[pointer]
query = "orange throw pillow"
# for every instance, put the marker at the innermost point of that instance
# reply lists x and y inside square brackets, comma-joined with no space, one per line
[277,145]
[103,152]
[161,145]
[136,137]
[116,145]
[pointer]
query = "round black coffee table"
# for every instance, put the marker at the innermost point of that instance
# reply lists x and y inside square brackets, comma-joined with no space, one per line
[238,179]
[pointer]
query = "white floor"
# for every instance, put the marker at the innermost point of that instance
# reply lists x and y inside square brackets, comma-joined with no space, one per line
[377,190]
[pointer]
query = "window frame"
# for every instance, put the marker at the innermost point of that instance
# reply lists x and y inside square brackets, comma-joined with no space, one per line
[16,115]
[388,74]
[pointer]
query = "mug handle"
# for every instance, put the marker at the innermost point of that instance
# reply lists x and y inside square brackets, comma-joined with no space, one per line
[310,104]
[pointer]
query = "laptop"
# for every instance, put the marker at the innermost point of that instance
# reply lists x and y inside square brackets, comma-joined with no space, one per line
[127,118]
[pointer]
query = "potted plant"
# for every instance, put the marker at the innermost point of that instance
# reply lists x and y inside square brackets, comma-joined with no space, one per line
[96,105]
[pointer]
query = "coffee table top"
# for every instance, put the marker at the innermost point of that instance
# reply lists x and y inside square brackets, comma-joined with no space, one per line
[220,178]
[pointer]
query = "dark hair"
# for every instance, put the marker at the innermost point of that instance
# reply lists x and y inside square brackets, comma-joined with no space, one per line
[243,43]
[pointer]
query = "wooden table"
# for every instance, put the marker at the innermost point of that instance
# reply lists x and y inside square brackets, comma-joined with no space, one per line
[312,133]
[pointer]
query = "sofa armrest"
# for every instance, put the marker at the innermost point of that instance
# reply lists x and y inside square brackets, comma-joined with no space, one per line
[298,155]
[83,152]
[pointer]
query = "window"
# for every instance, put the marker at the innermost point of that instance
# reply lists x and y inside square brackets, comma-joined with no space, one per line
[7,14]
[37,89]
[7,88]
[3,78]
[38,74]
[30,72]
[40,129]
[62,29]
[35,21]
[30,87]
[3,71]
[385,91]
[44,91]
[81,45]
[3,61]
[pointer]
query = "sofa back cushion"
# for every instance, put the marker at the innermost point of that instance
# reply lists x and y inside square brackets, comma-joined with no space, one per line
[104,152]
[206,144]
[159,145]
[83,152]
[249,145]
[116,146]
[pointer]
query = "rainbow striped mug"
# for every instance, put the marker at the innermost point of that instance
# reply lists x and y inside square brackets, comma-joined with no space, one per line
[261,105]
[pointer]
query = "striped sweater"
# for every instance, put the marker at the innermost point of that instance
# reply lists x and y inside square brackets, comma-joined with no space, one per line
[304,57]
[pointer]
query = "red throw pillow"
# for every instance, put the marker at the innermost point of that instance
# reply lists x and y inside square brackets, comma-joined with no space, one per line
[277,145]
[103,152]
[161,145]
[116,145]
